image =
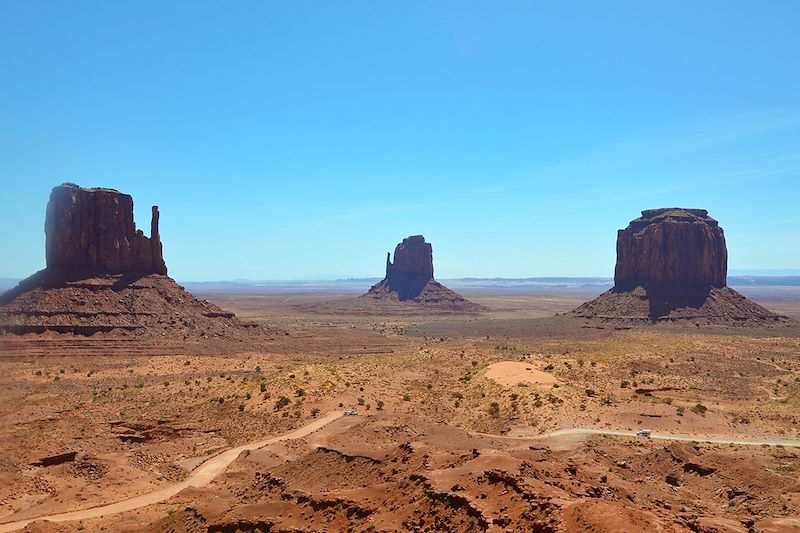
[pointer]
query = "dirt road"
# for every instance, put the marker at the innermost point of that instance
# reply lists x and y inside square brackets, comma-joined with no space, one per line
[655,436]
[214,466]
[202,475]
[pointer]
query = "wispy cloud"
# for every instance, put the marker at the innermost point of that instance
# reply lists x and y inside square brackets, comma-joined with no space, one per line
[648,156]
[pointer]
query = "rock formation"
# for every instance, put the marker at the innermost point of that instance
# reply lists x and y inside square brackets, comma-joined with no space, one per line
[671,246]
[410,279]
[104,276]
[672,265]
[93,229]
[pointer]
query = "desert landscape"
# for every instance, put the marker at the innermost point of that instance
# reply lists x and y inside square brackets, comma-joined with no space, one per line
[129,404]
[457,425]
[386,267]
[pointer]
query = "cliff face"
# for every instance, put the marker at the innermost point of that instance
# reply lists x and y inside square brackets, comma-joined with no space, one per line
[671,267]
[671,246]
[93,229]
[410,279]
[105,277]
[413,256]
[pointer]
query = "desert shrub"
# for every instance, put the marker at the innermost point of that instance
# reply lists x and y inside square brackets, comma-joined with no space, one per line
[248,396]
[282,402]
[406,397]
[361,401]
[680,410]
[458,396]
[300,392]
[494,409]
[379,405]
[263,387]
[590,393]
[549,367]
[699,409]
[624,384]
[314,412]
[241,407]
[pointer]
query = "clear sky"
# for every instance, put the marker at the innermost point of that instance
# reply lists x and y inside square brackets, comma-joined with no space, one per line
[287,140]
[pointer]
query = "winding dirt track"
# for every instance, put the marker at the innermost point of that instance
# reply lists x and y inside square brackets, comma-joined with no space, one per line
[199,477]
[214,466]
[654,436]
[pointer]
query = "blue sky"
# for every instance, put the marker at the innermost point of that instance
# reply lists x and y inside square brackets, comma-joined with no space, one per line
[287,140]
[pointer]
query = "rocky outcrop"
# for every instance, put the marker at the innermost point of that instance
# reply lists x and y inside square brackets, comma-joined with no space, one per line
[671,246]
[93,230]
[104,277]
[412,257]
[671,267]
[411,270]
[410,279]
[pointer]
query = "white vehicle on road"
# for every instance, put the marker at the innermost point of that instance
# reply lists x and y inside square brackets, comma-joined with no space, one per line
[350,412]
[643,433]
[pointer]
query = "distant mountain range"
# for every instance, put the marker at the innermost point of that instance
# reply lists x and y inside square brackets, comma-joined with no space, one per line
[543,284]
[358,285]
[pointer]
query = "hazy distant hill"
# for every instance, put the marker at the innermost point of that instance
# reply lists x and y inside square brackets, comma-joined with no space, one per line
[544,284]
[359,285]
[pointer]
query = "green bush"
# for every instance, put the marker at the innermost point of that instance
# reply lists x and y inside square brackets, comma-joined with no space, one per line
[700,409]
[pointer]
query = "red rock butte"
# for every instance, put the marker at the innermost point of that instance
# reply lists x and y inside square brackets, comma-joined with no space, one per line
[671,246]
[410,279]
[93,229]
[105,276]
[672,266]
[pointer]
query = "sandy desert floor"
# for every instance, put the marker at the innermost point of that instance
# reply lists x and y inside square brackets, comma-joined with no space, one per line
[458,427]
